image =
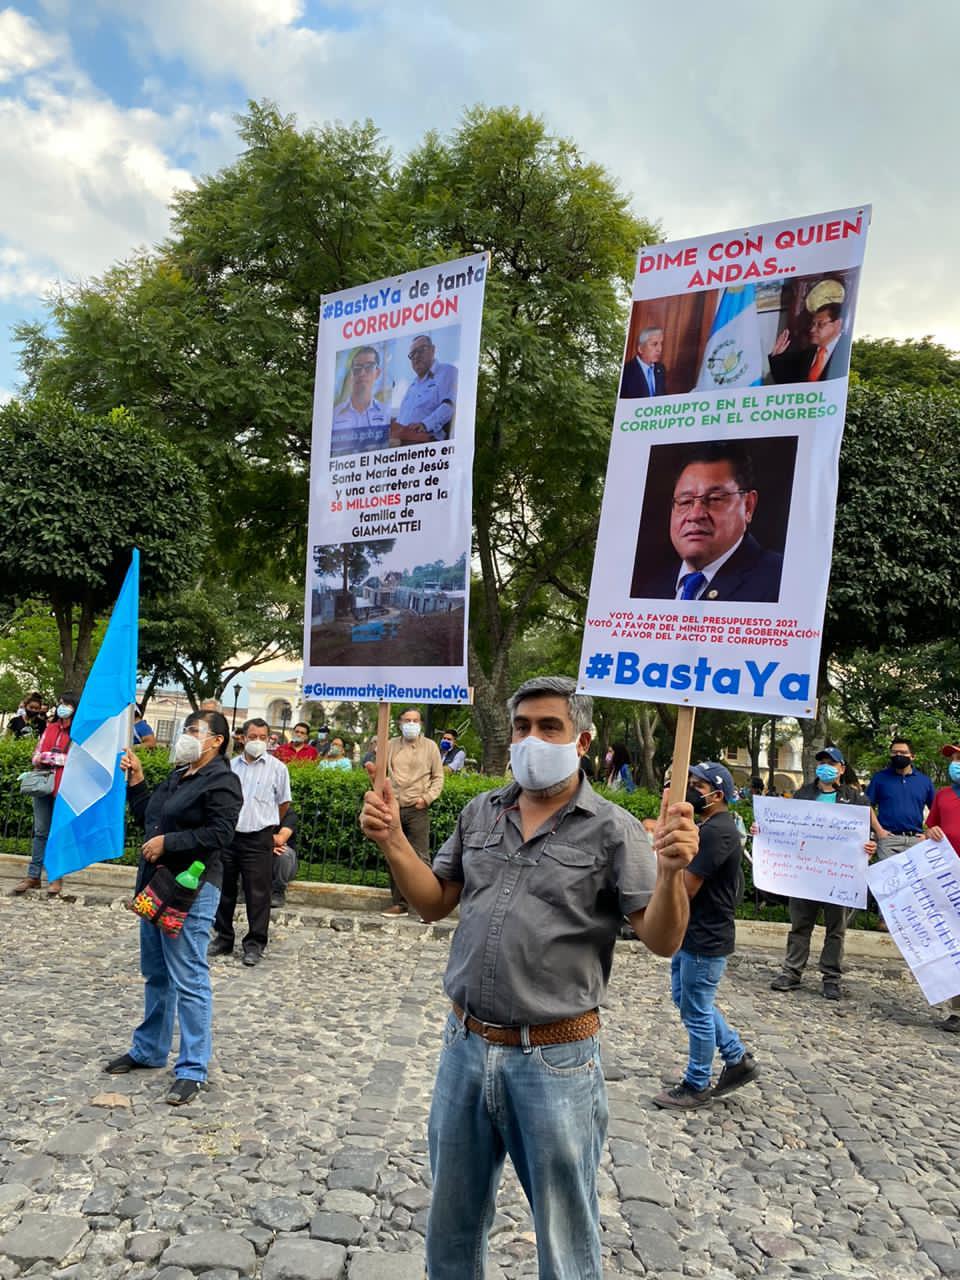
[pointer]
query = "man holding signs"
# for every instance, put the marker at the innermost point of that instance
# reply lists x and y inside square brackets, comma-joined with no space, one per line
[543,871]
[943,823]
[826,789]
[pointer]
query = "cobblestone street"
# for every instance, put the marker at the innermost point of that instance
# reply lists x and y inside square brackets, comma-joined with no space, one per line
[306,1158]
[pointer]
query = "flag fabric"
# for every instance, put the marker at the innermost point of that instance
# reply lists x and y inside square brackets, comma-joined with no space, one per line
[733,356]
[87,824]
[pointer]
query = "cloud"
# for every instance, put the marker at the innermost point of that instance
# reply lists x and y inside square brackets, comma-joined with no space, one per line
[82,180]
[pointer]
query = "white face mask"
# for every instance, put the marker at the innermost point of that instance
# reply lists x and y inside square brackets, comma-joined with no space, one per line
[539,765]
[256,748]
[410,730]
[187,749]
[64,711]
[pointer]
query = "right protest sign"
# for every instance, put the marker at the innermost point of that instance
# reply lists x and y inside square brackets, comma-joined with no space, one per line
[805,849]
[918,892]
[715,538]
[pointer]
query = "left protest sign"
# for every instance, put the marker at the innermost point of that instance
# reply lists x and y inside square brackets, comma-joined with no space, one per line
[918,892]
[715,537]
[805,849]
[389,534]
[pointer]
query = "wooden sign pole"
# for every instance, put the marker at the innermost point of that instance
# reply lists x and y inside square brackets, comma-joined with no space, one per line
[682,747]
[383,735]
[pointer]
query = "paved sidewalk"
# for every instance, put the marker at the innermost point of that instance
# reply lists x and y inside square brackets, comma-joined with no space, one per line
[306,1157]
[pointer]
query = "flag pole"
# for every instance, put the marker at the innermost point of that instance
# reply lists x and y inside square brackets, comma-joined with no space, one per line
[682,748]
[383,733]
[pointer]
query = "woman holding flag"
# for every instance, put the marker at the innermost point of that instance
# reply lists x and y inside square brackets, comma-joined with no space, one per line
[190,817]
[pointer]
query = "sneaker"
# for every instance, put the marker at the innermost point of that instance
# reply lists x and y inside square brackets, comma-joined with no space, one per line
[831,990]
[392,913]
[182,1091]
[120,1066]
[683,1097]
[738,1074]
[784,982]
[952,1023]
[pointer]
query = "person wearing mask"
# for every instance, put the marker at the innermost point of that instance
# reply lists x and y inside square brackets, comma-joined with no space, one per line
[826,788]
[298,750]
[713,881]
[29,722]
[190,817]
[900,795]
[543,871]
[51,754]
[943,823]
[452,754]
[415,771]
[265,786]
[619,776]
[322,741]
[336,757]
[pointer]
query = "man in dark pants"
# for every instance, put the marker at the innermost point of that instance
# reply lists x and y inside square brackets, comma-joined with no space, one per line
[266,798]
[827,789]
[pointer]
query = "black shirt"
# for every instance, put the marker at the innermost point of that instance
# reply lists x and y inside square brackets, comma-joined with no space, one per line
[712,929]
[27,726]
[195,813]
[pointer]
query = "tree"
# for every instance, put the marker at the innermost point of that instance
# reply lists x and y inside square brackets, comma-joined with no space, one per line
[352,561]
[30,647]
[563,245]
[913,364]
[79,485]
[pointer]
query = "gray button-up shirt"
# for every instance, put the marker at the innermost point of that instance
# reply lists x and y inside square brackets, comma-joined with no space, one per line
[539,918]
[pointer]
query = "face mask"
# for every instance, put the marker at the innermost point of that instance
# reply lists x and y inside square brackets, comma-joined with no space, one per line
[539,765]
[900,761]
[954,771]
[336,751]
[187,749]
[299,742]
[697,799]
[64,711]
[828,772]
[255,749]
[608,758]
[445,744]
[410,731]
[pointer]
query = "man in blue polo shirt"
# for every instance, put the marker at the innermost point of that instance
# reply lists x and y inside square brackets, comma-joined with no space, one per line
[900,795]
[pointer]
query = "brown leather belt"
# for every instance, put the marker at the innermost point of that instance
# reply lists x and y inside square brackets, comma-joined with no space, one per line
[563,1032]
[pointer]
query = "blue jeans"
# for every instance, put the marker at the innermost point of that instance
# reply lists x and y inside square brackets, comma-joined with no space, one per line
[547,1109]
[178,985]
[694,980]
[42,817]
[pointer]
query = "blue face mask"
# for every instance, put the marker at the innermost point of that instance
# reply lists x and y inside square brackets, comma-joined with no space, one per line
[827,772]
[954,771]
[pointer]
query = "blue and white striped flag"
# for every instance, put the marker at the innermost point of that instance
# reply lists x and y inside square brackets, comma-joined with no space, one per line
[733,356]
[87,823]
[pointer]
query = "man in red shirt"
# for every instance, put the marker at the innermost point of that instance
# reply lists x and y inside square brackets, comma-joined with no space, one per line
[943,819]
[299,750]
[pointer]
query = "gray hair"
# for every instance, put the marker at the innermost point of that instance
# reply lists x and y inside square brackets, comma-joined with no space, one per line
[646,334]
[580,705]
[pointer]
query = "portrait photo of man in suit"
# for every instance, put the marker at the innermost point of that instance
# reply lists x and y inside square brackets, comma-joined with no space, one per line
[645,374]
[713,502]
[826,355]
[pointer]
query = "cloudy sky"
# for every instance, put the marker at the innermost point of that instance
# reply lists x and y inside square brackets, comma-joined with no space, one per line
[709,116]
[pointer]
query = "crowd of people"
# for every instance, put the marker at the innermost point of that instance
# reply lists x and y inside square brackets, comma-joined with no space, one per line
[545,873]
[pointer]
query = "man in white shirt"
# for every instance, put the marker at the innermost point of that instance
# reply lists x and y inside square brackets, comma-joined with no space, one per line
[266,798]
[427,409]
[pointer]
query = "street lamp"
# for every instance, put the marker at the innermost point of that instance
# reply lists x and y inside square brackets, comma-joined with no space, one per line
[285,720]
[236,699]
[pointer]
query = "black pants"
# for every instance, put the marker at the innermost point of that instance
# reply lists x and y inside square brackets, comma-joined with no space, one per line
[250,858]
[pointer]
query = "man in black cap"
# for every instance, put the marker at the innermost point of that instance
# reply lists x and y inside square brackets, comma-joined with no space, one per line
[826,788]
[713,881]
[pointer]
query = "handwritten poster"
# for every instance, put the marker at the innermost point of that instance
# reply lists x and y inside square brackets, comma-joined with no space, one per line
[918,892]
[806,849]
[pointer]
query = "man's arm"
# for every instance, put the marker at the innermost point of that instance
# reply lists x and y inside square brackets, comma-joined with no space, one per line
[430,896]
[663,922]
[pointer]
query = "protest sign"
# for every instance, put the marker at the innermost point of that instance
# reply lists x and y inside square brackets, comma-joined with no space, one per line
[713,551]
[918,892]
[807,849]
[390,520]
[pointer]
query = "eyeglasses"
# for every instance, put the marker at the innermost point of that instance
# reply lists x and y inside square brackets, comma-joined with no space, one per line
[417,351]
[365,366]
[197,730]
[715,500]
